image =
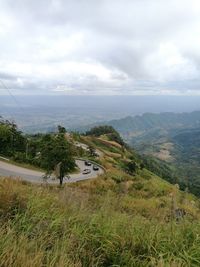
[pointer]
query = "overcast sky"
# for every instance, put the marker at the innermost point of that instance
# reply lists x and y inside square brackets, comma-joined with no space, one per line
[100,46]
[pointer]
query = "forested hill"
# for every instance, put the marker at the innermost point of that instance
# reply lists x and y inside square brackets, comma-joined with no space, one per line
[148,121]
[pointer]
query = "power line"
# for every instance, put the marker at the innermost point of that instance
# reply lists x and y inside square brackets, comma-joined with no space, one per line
[11,95]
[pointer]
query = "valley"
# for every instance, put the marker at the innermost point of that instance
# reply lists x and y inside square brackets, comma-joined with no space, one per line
[173,139]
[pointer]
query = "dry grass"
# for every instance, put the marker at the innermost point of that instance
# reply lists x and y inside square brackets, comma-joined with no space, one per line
[95,223]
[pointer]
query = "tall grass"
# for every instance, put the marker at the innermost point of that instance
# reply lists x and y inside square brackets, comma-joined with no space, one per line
[47,226]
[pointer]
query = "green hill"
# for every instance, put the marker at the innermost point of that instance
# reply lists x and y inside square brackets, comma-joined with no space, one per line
[126,217]
[169,142]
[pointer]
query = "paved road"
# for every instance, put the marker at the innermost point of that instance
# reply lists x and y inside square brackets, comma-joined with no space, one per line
[9,170]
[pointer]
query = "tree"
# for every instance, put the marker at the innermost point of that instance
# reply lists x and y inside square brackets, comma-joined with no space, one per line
[61,129]
[142,166]
[131,167]
[56,152]
[5,139]
[92,151]
[11,139]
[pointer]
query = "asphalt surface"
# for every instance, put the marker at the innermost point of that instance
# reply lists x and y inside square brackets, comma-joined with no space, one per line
[9,170]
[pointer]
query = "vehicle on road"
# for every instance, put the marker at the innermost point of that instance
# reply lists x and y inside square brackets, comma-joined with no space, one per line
[86,171]
[88,163]
[34,176]
[95,168]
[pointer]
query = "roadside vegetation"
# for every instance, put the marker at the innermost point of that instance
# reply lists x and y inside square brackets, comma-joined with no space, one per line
[50,152]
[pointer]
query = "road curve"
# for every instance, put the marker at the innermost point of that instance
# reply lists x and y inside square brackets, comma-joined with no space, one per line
[13,171]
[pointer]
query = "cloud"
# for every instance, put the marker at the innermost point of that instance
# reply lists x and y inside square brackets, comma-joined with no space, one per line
[100,47]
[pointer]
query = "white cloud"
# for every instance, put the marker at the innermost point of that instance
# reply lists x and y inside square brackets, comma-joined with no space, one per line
[168,64]
[100,47]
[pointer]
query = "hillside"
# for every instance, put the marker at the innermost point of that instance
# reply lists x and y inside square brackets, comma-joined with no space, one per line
[169,142]
[179,149]
[126,217]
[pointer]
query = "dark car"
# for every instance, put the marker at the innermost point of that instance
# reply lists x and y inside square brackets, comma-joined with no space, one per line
[95,168]
[86,171]
[88,163]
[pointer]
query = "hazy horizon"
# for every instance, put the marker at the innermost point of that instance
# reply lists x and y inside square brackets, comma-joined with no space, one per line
[45,112]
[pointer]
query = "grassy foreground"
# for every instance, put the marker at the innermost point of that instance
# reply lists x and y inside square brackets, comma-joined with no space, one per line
[104,222]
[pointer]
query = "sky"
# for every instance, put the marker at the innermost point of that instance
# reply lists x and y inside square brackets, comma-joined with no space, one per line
[102,47]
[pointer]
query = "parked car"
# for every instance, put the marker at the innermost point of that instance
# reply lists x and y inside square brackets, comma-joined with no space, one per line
[88,163]
[86,171]
[95,168]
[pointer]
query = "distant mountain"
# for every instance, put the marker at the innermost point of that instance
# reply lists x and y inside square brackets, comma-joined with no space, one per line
[43,113]
[148,121]
[188,144]
[151,126]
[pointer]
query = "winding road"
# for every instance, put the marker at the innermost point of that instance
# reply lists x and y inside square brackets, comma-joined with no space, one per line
[13,171]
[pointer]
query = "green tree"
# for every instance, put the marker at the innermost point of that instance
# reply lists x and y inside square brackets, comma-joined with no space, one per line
[11,139]
[92,151]
[56,153]
[61,129]
[5,139]
[131,167]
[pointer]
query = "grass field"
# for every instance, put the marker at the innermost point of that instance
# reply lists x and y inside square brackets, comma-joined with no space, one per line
[96,223]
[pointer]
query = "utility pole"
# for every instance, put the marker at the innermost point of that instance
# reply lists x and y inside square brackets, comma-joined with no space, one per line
[27,148]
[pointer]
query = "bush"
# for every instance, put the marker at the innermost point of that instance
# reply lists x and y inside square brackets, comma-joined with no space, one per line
[138,186]
[117,179]
[19,157]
